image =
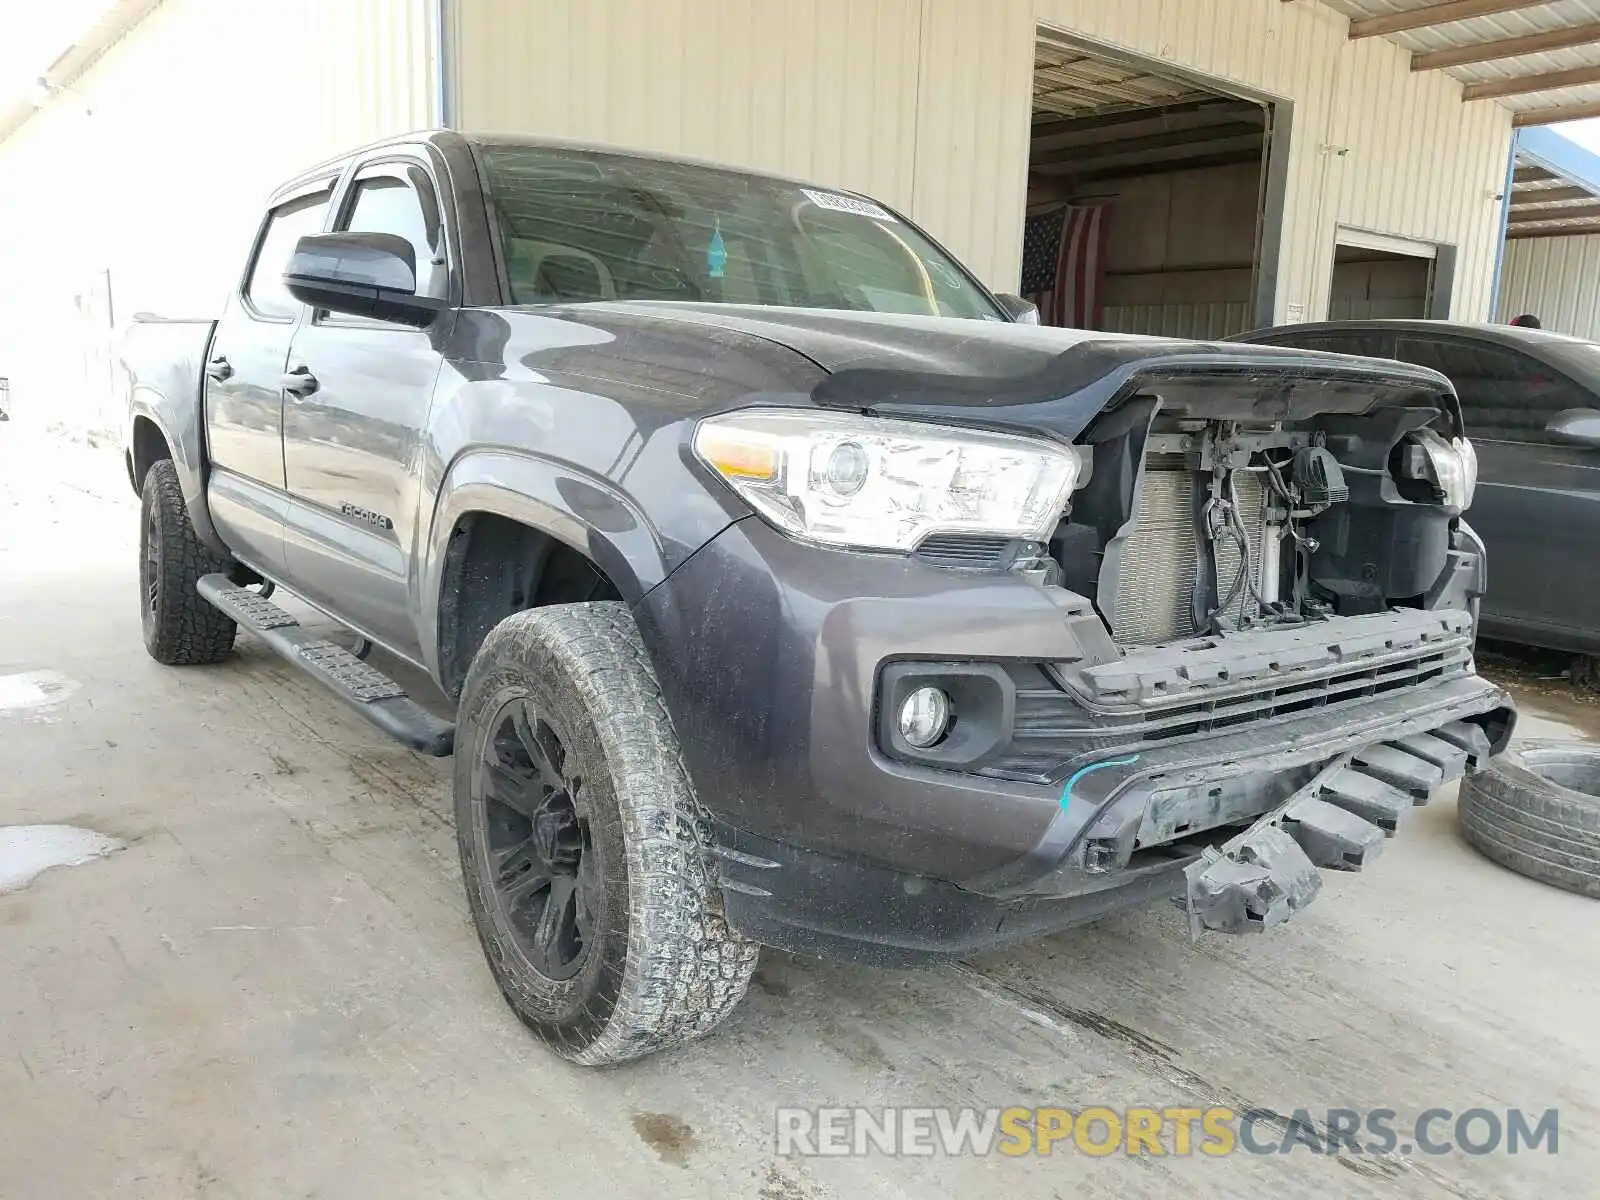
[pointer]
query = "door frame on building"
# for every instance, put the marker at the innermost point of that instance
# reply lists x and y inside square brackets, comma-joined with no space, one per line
[1275,154]
[1441,277]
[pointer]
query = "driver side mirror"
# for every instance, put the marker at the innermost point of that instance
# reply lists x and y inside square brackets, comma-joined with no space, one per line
[1576,427]
[1023,312]
[362,275]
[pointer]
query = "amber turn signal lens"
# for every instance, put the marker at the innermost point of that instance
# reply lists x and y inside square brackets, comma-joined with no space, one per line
[736,457]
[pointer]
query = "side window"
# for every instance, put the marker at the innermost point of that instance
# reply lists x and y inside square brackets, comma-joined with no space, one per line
[286,225]
[1367,345]
[1505,396]
[1363,345]
[387,204]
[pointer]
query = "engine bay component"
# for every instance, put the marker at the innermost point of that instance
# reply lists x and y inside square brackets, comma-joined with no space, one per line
[1197,527]
[1213,508]
[1320,482]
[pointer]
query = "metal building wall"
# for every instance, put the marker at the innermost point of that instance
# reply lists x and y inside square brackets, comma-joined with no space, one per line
[148,173]
[824,89]
[1555,278]
[840,91]
[925,103]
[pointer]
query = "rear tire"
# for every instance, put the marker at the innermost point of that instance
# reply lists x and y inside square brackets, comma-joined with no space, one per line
[582,842]
[180,628]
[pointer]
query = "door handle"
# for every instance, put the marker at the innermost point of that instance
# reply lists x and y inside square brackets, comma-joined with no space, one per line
[300,381]
[219,369]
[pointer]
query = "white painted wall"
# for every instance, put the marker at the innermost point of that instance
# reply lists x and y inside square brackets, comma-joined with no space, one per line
[153,167]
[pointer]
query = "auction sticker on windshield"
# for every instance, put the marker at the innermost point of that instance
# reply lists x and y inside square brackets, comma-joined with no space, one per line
[848,204]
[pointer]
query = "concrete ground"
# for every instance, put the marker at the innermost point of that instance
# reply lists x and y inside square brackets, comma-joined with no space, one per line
[275,991]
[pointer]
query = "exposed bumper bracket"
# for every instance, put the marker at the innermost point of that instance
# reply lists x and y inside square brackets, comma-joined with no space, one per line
[1337,821]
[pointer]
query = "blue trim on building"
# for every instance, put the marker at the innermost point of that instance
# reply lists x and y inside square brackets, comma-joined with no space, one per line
[444,77]
[1538,146]
[1505,222]
[1560,155]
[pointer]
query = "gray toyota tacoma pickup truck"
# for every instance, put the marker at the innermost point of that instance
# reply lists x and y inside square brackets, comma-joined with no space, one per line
[791,588]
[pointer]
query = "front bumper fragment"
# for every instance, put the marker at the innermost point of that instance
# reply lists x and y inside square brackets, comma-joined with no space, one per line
[1336,821]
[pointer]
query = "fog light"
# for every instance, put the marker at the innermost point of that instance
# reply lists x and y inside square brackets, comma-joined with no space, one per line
[925,717]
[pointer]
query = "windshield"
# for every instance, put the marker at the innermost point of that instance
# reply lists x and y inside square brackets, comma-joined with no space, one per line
[579,225]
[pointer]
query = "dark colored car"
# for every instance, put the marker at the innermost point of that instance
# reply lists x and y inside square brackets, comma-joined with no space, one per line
[1531,401]
[787,590]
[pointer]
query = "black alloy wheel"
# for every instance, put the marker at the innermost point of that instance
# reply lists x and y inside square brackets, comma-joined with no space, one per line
[538,843]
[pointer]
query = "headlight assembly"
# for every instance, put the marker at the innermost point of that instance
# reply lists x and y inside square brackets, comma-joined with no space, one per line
[879,484]
[1454,465]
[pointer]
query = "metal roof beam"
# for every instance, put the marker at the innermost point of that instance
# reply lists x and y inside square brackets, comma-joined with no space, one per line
[1139,170]
[1534,197]
[1521,85]
[1197,141]
[1577,212]
[1519,235]
[1553,116]
[1434,14]
[1533,43]
[1050,134]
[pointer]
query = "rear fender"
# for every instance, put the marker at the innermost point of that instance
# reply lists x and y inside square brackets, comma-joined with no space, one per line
[178,421]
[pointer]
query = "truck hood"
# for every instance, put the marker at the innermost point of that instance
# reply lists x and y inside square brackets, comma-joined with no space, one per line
[1005,375]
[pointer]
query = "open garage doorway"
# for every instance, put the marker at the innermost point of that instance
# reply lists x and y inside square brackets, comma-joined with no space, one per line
[1376,276]
[1154,196]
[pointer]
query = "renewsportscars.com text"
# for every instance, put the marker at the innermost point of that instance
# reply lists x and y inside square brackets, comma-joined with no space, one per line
[1212,1132]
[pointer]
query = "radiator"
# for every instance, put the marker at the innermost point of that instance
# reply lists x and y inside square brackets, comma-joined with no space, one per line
[1154,590]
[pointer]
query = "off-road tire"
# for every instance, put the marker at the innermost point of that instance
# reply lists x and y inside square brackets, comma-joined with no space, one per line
[663,968]
[180,628]
[1522,813]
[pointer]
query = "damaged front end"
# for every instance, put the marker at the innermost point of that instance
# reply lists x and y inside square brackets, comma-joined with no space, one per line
[1274,544]
[1338,821]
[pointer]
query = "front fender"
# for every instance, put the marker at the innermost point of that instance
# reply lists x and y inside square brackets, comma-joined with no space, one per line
[587,513]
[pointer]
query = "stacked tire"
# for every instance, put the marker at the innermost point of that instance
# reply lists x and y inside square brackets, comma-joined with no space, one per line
[1536,810]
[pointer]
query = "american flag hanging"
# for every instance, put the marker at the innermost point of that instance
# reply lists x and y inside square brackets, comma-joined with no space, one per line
[1063,263]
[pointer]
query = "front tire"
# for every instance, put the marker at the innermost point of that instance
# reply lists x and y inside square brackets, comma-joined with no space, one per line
[582,842]
[180,628]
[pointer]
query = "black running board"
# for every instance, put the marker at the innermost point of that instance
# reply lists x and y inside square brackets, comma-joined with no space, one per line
[367,690]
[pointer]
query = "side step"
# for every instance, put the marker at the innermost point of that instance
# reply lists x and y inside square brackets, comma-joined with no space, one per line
[367,690]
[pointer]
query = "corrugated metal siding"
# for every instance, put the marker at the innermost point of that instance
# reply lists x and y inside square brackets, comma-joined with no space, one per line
[1216,319]
[1557,279]
[196,114]
[975,102]
[844,92]
[925,103]
[823,89]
